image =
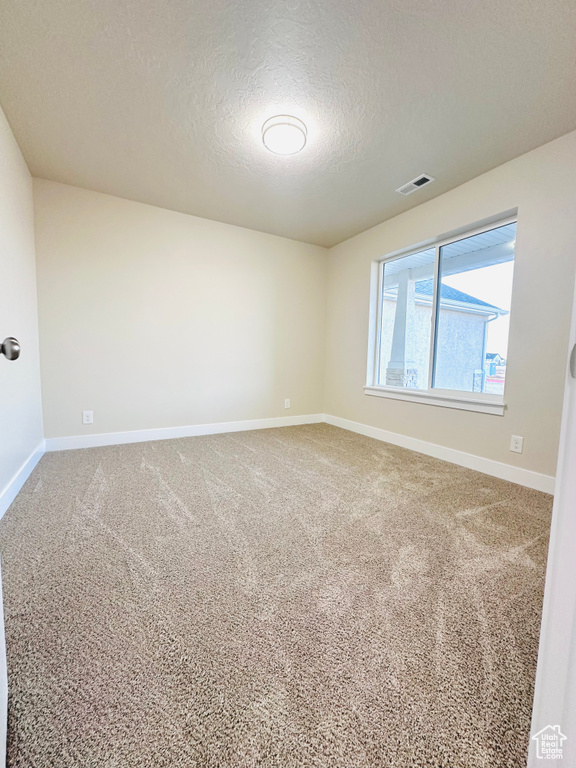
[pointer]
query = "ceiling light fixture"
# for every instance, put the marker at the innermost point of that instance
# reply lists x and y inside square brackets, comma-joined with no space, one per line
[284,134]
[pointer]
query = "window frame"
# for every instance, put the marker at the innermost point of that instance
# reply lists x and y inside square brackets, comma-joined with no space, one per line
[480,402]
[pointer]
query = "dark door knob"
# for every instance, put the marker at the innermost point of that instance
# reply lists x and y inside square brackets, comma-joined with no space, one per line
[10,347]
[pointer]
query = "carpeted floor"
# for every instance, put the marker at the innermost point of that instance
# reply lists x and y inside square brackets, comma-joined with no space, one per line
[298,597]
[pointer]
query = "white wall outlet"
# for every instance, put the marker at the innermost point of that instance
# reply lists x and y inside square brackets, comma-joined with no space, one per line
[517,444]
[87,417]
[287,403]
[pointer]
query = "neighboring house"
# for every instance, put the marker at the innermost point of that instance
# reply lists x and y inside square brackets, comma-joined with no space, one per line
[493,362]
[461,344]
[494,373]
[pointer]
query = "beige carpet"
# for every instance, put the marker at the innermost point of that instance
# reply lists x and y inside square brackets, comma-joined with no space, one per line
[290,597]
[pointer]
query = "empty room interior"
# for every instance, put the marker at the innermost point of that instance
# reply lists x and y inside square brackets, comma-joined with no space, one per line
[287,384]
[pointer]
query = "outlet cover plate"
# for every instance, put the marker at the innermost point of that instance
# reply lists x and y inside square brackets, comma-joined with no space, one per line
[516,444]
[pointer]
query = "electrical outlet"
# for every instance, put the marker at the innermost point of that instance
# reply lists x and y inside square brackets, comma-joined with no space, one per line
[287,403]
[517,444]
[87,417]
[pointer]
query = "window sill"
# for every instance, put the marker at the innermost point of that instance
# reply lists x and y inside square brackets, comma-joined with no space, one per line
[463,403]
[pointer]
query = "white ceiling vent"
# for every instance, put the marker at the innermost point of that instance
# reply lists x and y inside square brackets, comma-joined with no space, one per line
[412,186]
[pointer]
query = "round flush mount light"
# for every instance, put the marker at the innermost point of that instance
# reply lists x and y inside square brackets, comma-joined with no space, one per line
[284,134]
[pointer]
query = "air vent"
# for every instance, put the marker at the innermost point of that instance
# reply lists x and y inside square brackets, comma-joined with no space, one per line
[412,186]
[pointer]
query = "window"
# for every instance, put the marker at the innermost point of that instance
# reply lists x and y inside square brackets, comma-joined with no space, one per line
[442,319]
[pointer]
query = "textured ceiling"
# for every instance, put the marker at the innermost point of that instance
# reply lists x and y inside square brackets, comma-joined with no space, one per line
[162,101]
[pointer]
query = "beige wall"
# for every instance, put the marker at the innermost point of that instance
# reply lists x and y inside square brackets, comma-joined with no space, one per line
[20,403]
[152,318]
[542,185]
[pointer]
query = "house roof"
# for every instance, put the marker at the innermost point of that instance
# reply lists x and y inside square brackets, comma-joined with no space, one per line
[426,288]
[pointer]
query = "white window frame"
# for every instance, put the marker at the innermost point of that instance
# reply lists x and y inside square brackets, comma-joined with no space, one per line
[447,398]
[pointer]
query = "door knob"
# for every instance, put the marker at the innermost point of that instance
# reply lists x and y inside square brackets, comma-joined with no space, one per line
[10,347]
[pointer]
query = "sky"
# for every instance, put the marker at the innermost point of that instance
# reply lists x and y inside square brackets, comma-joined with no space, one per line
[494,285]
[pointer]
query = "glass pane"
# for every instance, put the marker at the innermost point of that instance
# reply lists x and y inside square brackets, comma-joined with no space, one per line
[407,286]
[473,312]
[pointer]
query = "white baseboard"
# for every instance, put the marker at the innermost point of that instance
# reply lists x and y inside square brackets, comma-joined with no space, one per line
[10,492]
[487,466]
[169,433]
[498,469]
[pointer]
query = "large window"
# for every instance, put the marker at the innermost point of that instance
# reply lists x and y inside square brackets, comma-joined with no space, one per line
[442,321]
